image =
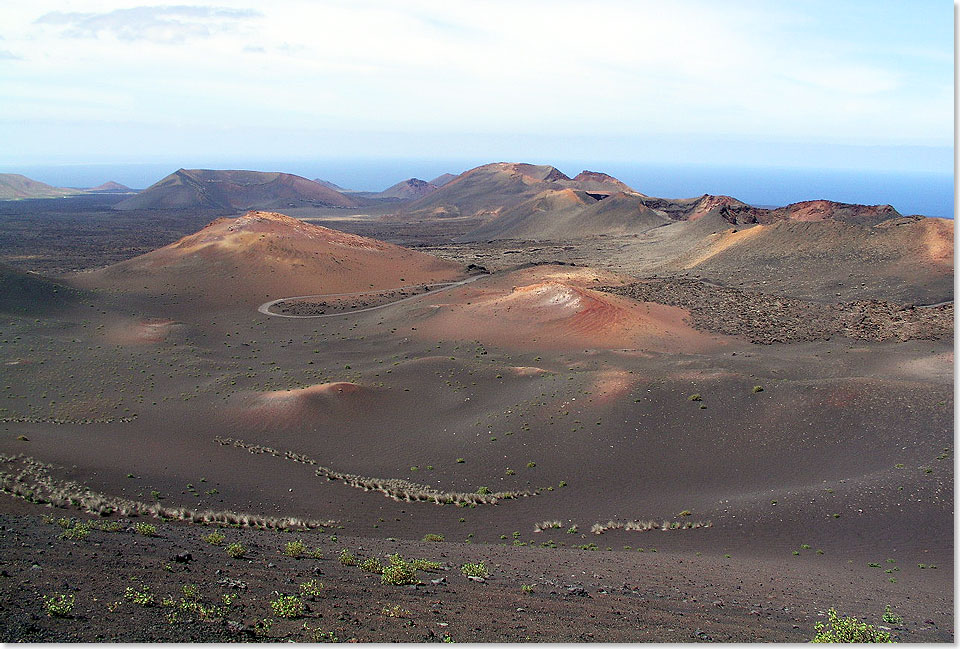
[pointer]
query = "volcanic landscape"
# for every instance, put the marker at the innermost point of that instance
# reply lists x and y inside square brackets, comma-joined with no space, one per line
[506,405]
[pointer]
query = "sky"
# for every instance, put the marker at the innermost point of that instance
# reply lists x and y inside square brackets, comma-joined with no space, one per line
[812,84]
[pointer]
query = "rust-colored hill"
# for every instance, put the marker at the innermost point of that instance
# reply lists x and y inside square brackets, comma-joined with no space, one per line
[263,255]
[556,308]
[233,190]
[490,189]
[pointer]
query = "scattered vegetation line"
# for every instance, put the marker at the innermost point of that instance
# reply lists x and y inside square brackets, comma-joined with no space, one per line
[27,478]
[395,488]
[645,526]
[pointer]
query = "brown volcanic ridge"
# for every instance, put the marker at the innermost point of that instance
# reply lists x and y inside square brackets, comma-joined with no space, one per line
[409,189]
[490,189]
[556,307]
[16,186]
[264,255]
[233,190]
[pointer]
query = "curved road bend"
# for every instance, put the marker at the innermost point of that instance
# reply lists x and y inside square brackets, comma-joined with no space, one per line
[265,307]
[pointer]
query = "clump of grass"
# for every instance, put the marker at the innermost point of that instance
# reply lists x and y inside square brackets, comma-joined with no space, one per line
[757,388]
[526,588]
[530,465]
[475,570]
[146,529]
[695,397]
[547,525]
[215,538]
[236,550]
[847,629]
[58,605]
[395,611]
[433,538]
[347,558]
[484,491]
[288,606]
[398,572]
[294,548]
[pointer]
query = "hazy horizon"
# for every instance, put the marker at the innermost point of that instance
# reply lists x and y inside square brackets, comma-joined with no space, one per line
[815,85]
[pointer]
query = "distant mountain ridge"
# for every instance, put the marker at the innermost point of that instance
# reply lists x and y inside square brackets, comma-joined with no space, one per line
[233,190]
[17,186]
[490,189]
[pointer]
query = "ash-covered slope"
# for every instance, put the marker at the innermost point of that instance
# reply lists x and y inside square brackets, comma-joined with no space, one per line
[263,255]
[233,190]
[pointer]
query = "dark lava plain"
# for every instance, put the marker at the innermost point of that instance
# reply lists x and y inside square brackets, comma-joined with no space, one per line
[791,477]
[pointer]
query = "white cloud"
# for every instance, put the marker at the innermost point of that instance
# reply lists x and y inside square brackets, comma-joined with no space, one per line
[606,68]
[163,24]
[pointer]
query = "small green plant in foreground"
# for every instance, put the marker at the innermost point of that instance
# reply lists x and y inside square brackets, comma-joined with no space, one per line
[347,558]
[294,548]
[890,617]
[236,550]
[399,572]
[434,538]
[78,532]
[58,605]
[527,588]
[215,538]
[288,606]
[847,629]
[311,589]
[139,597]
[478,570]
[146,529]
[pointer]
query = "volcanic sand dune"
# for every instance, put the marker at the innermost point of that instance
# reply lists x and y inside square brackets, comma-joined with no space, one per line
[126,331]
[551,307]
[293,409]
[264,255]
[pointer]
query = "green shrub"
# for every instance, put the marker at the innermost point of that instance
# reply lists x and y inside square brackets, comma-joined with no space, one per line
[140,597]
[399,572]
[58,605]
[312,588]
[527,588]
[484,490]
[294,548]
[758,388]
[478,570]
[530,465]
[372,565]
[890,617]
[426,565]
[288,606]
[695,397]
[215,538]
[78,532]
[847,629]
[434,538]
[146,529]
[236,550]
[347,558]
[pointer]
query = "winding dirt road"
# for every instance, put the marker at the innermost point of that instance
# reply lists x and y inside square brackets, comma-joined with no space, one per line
[265,307]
